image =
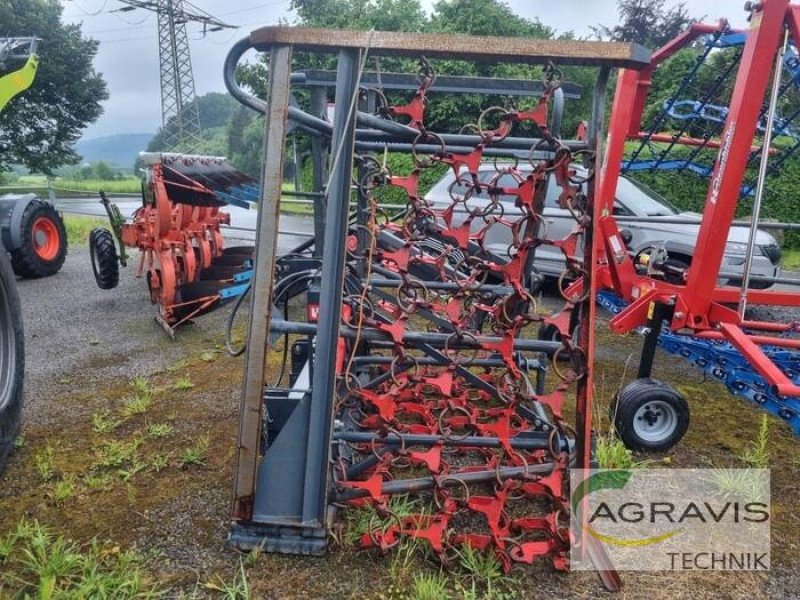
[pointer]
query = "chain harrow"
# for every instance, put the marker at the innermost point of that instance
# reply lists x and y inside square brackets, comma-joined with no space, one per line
[459,424]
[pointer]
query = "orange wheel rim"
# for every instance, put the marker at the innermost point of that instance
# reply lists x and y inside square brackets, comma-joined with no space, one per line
[46,239]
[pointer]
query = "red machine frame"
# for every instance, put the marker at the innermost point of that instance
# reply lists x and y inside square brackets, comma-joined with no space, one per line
[699,303]
[176,241]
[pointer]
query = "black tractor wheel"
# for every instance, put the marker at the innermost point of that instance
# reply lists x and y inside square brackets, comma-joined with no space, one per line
[12,359]
[650,415]
[105,262]
[44,242]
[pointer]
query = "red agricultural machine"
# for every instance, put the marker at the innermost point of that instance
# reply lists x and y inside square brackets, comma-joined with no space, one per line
[417,374]
[177,233]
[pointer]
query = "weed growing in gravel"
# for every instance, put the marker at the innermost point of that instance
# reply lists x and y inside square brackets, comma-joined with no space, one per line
[430,586]
[208,356]
[102,422]
[36,563]
[19,441]
[137,466]
[484,577]
[758,455]
[238,589]
[159,430]
[611,453]
[160,462]
[117,453]
[64,489]
[183,383]
[98,481]
[136,405]
[178,366]
[142,386]
[361,521]
[44,460]
[195,454]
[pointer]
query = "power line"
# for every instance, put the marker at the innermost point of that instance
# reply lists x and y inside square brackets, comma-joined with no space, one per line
[180,117]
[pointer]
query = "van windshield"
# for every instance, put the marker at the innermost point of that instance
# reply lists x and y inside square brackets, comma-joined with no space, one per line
[643,201]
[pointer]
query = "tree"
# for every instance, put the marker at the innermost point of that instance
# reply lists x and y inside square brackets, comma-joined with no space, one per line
[484,17]
[39,127]
[647,22]
[103,172]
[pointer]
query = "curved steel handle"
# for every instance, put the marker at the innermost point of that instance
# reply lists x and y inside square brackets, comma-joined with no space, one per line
[229,75]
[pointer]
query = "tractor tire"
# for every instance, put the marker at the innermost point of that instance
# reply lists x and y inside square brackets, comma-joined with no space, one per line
[105,262]
[12,359]
[650,415]
[44,242]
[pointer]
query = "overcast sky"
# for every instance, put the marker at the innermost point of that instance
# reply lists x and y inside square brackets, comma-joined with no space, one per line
[128,54]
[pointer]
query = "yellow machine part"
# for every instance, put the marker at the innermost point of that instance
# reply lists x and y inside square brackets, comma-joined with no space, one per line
[18,81]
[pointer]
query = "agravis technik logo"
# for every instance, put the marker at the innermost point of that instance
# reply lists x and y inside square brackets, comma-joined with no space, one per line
[670,519]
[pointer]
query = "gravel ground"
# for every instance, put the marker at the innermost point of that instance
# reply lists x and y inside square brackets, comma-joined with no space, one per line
[84,345]
[79,335]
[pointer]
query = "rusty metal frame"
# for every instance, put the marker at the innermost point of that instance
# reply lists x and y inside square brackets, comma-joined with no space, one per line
[302,529]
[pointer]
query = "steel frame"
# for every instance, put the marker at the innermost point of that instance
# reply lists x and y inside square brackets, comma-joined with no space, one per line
[282,494]
[698,305]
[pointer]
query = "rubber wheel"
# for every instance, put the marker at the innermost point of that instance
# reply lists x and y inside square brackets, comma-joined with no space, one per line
[44,242]
[105,262]
[650,415]
[12,359]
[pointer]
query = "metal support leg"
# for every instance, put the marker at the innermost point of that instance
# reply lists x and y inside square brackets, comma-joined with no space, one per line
[655,322]
[336,218]
[260,306]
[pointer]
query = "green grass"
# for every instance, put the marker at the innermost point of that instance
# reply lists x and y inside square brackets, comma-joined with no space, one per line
[791,259]
[35,563]
[238,589]
[757,456]
[78,228]
[183,383]
[196,454]
[129,185]
[45,460]
[611,453]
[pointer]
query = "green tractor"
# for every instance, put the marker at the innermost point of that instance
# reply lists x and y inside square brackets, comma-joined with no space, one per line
[34,245]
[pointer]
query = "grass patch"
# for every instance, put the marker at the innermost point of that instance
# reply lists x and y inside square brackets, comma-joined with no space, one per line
[45,463]
[238,589]
[183,383]
[129,185]
[791,259]
[159,430]
[116,454]
[102,422]
[35,563]
[136,405]
[757,456]
[78,228]
[64,489]
[195,455]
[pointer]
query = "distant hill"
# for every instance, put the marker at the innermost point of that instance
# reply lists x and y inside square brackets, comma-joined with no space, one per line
[117,150]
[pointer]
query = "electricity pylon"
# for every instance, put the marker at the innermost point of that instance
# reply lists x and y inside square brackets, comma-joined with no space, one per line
[180,117]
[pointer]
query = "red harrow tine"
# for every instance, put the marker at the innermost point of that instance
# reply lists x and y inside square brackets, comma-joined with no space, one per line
[477,467]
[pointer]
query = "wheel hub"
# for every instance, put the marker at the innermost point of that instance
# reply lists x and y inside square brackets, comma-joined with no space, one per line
[655,421]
